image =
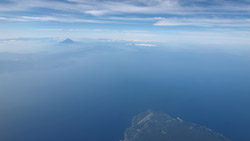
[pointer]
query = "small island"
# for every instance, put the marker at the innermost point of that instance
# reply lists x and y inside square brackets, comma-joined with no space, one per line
[157,126]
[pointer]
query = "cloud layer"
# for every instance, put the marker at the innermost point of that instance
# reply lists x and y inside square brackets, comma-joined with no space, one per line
[158,12]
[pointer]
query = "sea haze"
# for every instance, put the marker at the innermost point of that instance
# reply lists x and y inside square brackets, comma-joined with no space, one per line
[90,89]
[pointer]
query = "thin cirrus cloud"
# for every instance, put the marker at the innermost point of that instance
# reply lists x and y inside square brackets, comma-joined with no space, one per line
[145,45]
[51,18]
[204,22]
[145,15]
[161,12]
[98,7]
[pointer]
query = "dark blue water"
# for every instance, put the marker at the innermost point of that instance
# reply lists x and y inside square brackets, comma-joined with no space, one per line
[93,97]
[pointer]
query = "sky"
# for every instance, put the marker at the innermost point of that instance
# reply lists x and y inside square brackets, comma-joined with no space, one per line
[218,21]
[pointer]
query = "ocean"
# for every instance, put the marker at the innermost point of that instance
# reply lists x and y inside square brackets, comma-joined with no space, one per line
[93,96]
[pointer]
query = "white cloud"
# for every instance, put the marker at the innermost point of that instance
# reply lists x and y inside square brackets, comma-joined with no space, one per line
[95,12]
[135,18]
[145,45]
[203,22]
[98,8]
[104,9]
[55,29]
[52,18]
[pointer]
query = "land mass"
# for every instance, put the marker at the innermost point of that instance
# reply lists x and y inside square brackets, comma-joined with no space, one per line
[157,126]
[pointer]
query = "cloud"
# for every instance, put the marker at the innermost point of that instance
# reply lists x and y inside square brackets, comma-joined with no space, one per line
[140,10]
[95,12]
[55,29]
[145,45]
[99,8]
[212,22]
[51,18]
[160,12]
[135,18]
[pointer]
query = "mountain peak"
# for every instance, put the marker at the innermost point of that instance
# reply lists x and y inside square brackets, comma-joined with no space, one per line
[67,41]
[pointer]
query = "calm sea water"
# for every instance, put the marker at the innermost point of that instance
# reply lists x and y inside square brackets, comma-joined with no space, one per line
[93,96]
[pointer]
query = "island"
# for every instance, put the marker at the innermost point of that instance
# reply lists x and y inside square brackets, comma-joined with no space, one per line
[157,126]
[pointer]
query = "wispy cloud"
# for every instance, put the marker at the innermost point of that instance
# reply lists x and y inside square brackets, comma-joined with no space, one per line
[131,15]
[51,18]
[95,12]
[99,8]
[162,12]
[145,45]
[209,22]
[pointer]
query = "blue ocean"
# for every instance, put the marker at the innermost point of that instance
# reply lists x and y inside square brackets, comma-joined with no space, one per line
[92,94]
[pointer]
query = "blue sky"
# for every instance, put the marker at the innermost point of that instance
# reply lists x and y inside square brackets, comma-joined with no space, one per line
[156,20]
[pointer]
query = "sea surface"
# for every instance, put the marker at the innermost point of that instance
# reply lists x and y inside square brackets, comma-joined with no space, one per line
[92,94]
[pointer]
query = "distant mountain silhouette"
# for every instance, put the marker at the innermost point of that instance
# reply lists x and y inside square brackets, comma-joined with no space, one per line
[68,41]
